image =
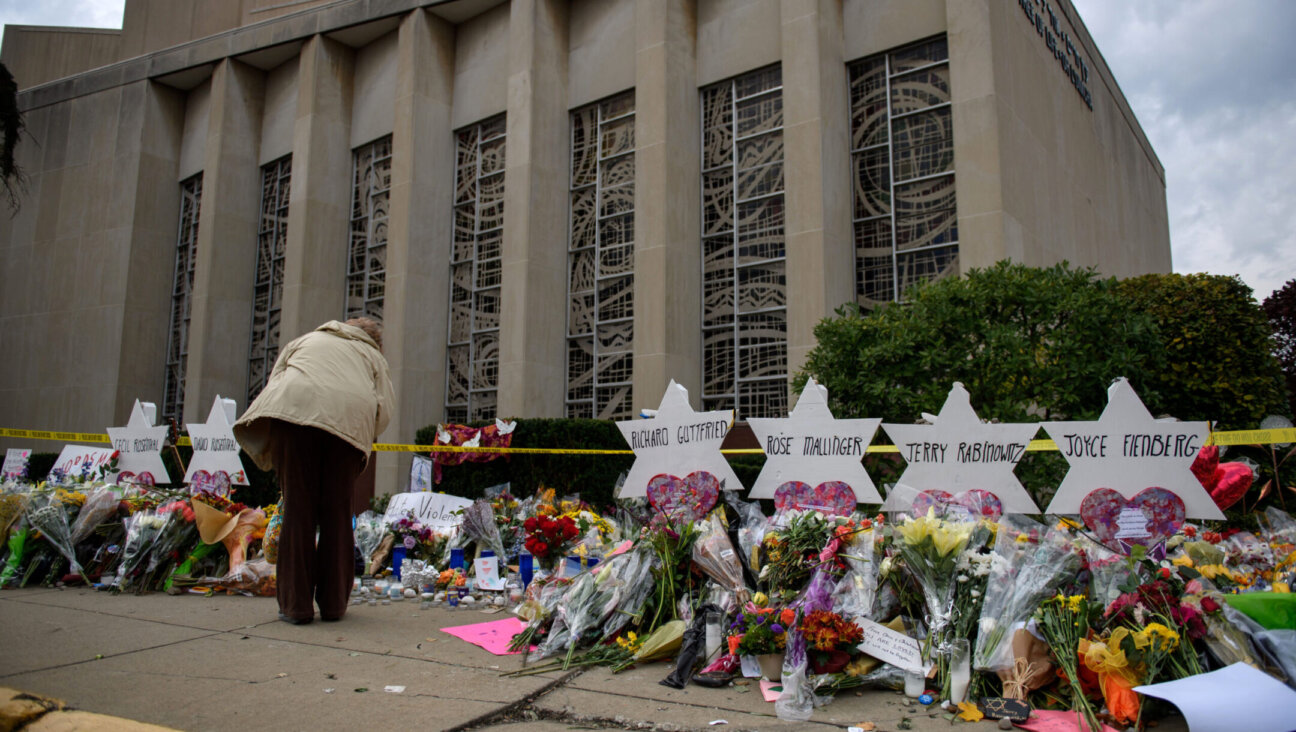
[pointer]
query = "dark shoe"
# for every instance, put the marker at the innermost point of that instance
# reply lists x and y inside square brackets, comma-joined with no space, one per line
[295,621]
[330,618]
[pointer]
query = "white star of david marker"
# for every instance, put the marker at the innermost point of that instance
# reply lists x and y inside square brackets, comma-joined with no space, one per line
[961,453]
[812,447]
[678,441]
[214,446]
[139,444]
[1127,450]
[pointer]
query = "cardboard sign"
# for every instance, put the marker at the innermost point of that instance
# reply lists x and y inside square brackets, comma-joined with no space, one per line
[139,446]
[82,461]
[214,447]
[678,441]
[891,646]
[15,463]
[1127,451]
[420,474]
[436,510]
[488,574]
[960,453]
[813,448]
[494,636]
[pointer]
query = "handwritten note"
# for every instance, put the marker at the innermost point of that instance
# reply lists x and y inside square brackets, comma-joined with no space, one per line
[488,574]
[1132,523]
[431,509]
[494,636]
[15,462]
[890,646]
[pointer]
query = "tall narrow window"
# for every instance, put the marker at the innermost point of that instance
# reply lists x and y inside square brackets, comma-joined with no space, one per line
[902,158]
[744,306]
[182,299]
[367,259]
[267,288]
[476,271]
[600,283]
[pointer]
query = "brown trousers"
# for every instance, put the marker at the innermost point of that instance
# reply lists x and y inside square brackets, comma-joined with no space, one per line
[317,473]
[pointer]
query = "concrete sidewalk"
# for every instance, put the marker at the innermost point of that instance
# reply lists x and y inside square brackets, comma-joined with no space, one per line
[226,663]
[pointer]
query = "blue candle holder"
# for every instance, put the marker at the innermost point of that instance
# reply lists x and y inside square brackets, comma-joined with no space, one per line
[526,568]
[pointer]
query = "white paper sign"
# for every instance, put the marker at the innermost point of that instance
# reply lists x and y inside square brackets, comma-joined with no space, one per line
[750,667]
[15,462]
[678,441]
[960,453]
[1132,523]
[420,474]
[214,446]
[488,574]
[812,447]
[82,461]
[139,446]
[1236,697]
[1127,451]
[891,646]
[436,510]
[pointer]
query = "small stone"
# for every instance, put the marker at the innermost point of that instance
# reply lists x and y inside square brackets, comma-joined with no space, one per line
[1005,723]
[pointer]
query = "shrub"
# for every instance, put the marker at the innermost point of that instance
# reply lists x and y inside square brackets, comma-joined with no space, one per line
[1217,340]
[1280,307]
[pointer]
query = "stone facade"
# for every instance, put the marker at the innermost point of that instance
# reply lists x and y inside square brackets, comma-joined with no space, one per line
[1048,164]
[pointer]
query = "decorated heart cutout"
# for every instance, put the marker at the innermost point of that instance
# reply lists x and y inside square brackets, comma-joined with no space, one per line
[217,482]
[686,499]
[1226,482]
[1149,518]
[974,503]
[144,478]
[834,497]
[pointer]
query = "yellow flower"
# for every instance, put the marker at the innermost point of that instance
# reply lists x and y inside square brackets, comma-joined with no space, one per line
[1183,560]
[1074,603]
[760,599]
[916,530]
[949,538]
[1157,635]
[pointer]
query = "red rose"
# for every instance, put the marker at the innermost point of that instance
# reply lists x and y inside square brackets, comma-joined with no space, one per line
[541,548]
[1210,605]
[1190,531]
[1164,572]
[529,524]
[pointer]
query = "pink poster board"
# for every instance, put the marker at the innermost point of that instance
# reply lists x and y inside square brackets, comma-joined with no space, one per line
[494,636]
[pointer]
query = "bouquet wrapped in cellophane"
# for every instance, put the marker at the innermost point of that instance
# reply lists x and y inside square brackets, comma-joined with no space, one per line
[714,554]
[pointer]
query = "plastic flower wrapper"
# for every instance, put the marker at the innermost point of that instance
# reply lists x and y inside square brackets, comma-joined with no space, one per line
[1108,571]
[714,554]
[142,529]
[583,609]
[1028,565]
[47,514]
[633,572]
[661,643]
[752,524]
[856,591]
[930,548]
[253,577]
[100,505]
[479,525]
[176,536]
[798,700]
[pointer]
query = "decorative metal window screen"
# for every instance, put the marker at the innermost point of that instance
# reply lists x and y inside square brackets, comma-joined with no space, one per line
[744,281]
[182,299]
[902,160]
[367,255]
[267,288]
[476,272]
[600,285]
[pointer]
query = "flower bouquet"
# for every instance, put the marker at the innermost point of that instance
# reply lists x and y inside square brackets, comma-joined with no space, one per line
[142,530]
[479,525]
[47,512]
[369,532]
[714,554]
[1027,566]
[549,538]
[1064,621]
[929,549]
[830,640]
[790,553]
[762,632]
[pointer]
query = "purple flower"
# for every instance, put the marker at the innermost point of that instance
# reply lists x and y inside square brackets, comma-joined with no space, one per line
[776,629]
[410,542]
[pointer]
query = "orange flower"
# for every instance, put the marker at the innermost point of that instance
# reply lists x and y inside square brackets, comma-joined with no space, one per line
[734,640]
[787,616]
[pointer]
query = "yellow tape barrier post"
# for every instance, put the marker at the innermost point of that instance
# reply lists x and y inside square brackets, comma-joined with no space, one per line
[1233,437]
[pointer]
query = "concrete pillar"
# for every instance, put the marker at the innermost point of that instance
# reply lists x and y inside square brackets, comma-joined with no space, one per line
[419,227]
[319,206]
[668,244]
[221,321]
[144,210]
[816,158]
[533,350]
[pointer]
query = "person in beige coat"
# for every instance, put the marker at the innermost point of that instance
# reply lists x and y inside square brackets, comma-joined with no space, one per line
[314,424]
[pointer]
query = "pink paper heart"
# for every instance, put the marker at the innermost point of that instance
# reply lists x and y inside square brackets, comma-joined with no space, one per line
[684,498]
[1162,510]
[217,482]
[978,503]
[834,497]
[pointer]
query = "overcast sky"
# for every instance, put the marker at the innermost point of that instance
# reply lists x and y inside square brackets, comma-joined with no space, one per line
[1213,82]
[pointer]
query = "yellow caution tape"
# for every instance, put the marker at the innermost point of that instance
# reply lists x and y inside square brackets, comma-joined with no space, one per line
[1234,437]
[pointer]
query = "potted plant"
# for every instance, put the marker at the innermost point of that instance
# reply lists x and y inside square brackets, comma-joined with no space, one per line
[762,632]
[830,639]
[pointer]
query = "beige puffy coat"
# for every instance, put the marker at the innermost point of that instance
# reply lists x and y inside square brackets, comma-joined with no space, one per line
[333,378]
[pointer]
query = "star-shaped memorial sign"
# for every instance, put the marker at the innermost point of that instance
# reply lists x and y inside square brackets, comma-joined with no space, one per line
[139,446]
[811,447]
[1127,451]
[961,453]
[215,450]
[679,442]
